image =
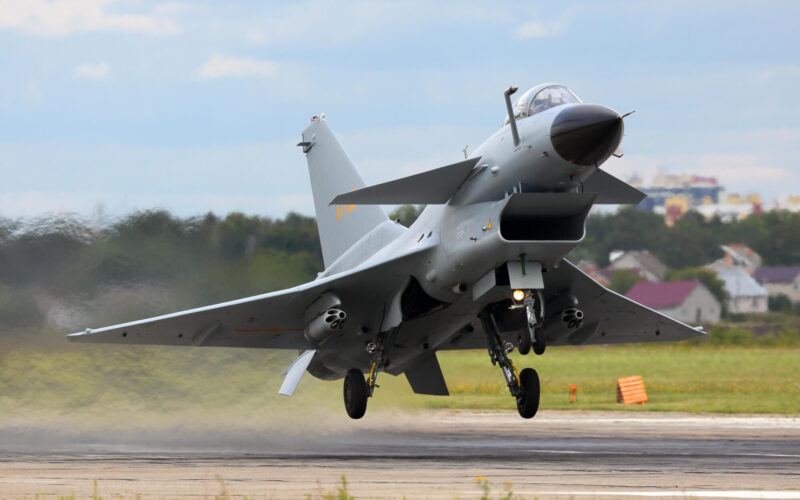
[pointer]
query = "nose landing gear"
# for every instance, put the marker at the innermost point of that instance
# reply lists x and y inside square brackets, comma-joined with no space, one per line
[532,336]
[528,399]
[524,342]
[540,340]
[525,386]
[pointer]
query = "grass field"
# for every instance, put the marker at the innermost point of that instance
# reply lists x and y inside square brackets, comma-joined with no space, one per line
[159,381]
[693,379]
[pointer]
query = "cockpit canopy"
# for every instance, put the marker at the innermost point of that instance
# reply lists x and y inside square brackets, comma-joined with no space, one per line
[540,98]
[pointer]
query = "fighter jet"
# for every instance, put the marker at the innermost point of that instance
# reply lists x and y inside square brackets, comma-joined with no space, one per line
[482,267]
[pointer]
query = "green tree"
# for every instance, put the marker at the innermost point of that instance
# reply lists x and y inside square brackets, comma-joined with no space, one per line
[623,280]
[239,235]
[692,241]
[780,303]
[627,229]
[406,214]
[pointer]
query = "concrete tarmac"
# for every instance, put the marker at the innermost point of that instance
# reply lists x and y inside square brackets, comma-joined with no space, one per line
[429,454]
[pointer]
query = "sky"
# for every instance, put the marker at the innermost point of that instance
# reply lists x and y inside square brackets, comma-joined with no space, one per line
[113,106]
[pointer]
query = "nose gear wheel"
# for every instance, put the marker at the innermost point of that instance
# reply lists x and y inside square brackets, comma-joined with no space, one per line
[533,335]
[528,398]
[524,386]
[524,342]
[540,343]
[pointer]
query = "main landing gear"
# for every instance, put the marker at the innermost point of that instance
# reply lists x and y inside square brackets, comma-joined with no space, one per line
[525,386]
[355,394]
[357,390]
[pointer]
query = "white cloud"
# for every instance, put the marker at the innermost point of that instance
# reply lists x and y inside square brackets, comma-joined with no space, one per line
[65,17]
[773,72]
[545,29]
[222,66]
[331,22]
[97,71]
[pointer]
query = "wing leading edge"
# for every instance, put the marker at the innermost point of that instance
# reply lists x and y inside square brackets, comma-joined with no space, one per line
[271,321]
[610,317]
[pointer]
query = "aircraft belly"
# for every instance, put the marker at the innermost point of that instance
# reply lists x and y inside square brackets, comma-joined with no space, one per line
[414,338]
[473,260]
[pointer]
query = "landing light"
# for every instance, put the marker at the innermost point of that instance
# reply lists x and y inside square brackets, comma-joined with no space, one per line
[518,295]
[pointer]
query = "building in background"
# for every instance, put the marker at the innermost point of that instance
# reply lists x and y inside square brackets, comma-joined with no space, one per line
[790,203]
[745,295]
[687,301]
[693,189]
[674,208]
[732,207]
[737,256]
[642,262]
[780,281]
[672,195]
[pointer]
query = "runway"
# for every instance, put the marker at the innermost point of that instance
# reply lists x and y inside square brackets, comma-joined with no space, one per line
[430,454]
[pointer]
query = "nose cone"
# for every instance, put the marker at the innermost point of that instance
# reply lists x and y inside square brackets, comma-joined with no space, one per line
[586,134]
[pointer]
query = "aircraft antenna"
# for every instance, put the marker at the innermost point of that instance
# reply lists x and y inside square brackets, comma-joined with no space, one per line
[511,120]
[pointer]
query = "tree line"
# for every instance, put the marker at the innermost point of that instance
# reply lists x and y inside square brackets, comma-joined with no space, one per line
[65,263]
[58,267]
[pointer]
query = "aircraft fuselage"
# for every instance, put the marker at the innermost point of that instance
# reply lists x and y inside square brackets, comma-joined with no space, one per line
[485,225]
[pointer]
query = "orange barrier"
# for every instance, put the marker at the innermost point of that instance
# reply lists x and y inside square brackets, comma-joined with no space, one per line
[573,389]
[630,390]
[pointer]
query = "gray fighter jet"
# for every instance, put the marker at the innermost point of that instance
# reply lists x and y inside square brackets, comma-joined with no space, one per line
[482,267]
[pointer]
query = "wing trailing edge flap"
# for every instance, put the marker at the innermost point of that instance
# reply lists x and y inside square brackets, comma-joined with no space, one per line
[425,376]
[432,187]
[612,191]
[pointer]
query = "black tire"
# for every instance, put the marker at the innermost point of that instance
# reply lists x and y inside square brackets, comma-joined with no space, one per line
[540,343]
[528,400]
[355,394]
[524,344]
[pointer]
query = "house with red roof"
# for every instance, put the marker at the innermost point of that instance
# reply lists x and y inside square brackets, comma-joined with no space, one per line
[687,301]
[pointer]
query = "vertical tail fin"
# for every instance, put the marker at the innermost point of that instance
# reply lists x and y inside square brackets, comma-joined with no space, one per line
[332,173]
